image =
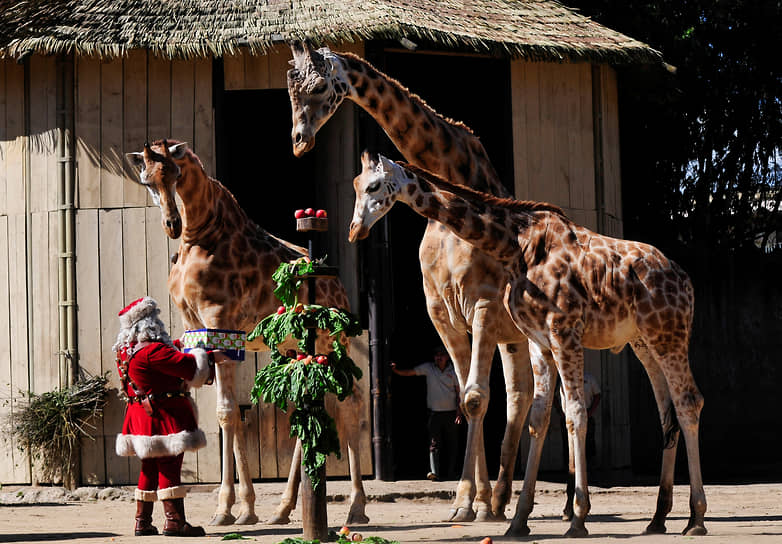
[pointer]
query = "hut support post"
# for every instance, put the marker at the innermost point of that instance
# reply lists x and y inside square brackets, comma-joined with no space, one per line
[67,223]
[66,214]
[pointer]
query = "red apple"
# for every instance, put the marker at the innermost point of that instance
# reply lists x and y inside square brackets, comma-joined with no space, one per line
[300,356]
[320,213]
[281,310]
[298,214]
[309,212]
[344,530]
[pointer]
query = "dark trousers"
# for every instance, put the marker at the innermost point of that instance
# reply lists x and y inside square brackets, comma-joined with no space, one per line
[444,435]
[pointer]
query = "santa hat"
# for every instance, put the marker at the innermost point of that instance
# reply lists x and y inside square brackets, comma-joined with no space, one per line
[137,310]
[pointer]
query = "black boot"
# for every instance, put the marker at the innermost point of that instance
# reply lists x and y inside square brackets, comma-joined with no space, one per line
[175,520]
[144,525]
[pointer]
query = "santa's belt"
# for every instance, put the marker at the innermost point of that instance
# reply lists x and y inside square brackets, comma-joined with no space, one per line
[158,396]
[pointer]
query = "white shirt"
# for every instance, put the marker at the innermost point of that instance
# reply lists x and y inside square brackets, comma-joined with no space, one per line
[442,387]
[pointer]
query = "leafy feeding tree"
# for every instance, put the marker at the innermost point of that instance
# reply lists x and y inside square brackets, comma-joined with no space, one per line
[701,150]
[304,378]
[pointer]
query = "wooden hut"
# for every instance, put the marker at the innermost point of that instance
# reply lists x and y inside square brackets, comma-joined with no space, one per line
[84,82]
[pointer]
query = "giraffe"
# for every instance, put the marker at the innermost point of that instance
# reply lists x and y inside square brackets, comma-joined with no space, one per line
[568,289]
[222,278]
[459,301]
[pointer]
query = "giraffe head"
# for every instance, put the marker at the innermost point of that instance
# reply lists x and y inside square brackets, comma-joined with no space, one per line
[377,188]
[316,87]
[160,174]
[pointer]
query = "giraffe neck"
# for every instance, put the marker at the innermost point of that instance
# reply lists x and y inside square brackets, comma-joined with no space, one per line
[480,219]
[424,137]
[208,208]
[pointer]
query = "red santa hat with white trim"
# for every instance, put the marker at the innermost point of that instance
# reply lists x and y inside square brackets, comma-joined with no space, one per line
[137,310]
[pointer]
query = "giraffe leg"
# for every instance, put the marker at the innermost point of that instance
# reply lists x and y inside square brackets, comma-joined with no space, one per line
[670,436]
[544,373]
[227,411]
[246,493]
[688,403]
[570,362]
[518,393]
[352,433]
[570,489]
[281,515]
[476,490]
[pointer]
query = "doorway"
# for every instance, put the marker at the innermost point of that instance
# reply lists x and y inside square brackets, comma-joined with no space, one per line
[483,103]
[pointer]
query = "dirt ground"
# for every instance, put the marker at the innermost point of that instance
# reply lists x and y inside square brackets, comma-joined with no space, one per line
[407,511]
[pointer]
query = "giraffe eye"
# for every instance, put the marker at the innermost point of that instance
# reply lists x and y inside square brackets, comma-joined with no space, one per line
[372,187]
[320,88]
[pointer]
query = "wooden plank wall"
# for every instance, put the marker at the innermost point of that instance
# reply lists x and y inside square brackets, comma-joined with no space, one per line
[554,161]
[28,185]
[122,250]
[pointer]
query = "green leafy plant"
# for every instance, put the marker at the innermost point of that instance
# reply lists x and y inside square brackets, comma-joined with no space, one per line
[301,378]
[50,425]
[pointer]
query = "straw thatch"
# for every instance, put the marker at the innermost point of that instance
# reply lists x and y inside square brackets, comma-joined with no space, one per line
[533,29]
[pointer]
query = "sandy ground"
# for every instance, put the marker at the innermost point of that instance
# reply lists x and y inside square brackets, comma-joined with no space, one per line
[407,511]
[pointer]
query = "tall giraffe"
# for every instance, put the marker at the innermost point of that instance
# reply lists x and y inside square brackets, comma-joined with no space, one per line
[459,301]
[222,279]
[568,289]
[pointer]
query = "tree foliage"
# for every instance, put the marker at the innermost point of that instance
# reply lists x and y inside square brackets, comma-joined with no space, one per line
[701,148]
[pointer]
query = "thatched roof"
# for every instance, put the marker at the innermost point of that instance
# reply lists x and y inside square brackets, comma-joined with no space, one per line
[535,29]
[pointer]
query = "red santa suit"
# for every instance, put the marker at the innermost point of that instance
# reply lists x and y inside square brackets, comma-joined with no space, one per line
[160,422]
[165,374]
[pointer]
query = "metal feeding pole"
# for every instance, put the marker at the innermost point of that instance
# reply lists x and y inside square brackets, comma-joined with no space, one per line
[313,507]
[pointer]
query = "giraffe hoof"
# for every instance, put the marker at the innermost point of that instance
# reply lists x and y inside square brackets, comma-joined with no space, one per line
[577,532]
[279,519]
[499,516]
[695,530]
[522,530]
[357,518]
[461,514]
[222,519]
[484,515]
[655,528]
[246,519]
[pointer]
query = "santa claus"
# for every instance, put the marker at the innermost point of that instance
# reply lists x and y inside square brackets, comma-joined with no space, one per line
[160,420]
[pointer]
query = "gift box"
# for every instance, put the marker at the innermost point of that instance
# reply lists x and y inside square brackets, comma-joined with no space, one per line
[229,342]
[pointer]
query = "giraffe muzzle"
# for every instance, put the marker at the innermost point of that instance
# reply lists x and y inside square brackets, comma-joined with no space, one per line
[173,227]
[357,232]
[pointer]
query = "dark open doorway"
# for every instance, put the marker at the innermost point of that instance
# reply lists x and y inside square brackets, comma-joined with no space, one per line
[256,162]
[482,102]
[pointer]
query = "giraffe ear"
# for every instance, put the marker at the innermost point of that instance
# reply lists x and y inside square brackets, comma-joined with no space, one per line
[178,151]
[385,165]
[136,160]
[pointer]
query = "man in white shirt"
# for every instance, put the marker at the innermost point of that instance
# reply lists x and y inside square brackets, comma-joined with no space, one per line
[442,399]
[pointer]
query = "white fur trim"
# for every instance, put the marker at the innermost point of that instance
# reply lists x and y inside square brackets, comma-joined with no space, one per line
[146,307]
[176,492]
[202,368]
[145,496]
[145,447]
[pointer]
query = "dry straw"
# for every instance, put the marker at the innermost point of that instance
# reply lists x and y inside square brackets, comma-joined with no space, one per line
[51,425]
